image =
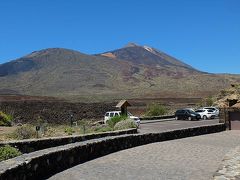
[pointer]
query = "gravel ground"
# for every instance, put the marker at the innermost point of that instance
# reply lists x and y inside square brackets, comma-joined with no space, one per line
[191,158]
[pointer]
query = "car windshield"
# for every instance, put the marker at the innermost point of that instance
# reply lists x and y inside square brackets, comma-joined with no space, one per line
[130,114]
[190,111]
[211,109]
[199,111]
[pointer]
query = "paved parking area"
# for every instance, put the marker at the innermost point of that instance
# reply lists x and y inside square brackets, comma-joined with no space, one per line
[173,124]
[191,158]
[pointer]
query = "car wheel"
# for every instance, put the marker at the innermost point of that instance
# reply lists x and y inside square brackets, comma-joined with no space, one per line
[190,118]
[138,126]
[204,117]
[176,118]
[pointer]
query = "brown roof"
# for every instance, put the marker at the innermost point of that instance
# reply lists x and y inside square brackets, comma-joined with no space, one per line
[237,105]
[122,103]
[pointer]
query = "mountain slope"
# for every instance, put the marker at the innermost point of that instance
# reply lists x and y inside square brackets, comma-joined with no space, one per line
[145,55]
[130,72]
[59,71]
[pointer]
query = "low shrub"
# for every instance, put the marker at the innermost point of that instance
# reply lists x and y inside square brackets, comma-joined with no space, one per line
[7,152]
[209,101]
[102,128]
[84,126]
[50,132]
[24,132]
[114,120]
[5,119]
[69,131]
[156,110]
[125,124]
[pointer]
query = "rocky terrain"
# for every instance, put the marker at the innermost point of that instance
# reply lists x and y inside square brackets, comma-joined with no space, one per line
[54,112]
[229,97]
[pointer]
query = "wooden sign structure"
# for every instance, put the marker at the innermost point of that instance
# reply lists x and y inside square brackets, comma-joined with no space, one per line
[123,104]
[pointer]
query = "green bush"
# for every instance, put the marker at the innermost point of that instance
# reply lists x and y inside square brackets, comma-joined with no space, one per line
[102,128]
[24,132]
[209,101]
[5,119]
[125,124]
[84,126]
[7,152]
[156,110]
[114,120]
[42,124]
[69,130]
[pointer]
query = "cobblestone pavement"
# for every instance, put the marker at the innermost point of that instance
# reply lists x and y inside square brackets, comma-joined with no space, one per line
[174,124]
[230,166]
[193,158]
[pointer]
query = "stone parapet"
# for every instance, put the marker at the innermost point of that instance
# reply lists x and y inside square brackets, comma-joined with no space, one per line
[30,145]
[45,163]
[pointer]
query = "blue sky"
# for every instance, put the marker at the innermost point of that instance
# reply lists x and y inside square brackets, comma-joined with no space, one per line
[202,33]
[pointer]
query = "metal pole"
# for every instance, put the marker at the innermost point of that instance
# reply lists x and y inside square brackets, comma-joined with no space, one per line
[84,129]
[71,120]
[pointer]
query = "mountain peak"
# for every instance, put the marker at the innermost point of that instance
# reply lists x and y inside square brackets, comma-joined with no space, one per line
[145,55]
[131,44]
[147,48]
[49,51]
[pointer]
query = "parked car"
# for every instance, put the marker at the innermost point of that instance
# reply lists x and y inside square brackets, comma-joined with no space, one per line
[206,113]
[191,109]
[108,115]
[187,114]
[215,110]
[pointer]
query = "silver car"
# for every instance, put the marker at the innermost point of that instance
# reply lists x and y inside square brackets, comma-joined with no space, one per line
[215,110]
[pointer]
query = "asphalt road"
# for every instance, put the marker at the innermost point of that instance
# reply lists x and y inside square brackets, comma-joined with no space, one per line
[193,158]
[170,124]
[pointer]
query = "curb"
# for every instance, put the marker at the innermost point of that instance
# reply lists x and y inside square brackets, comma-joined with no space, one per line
[154,121]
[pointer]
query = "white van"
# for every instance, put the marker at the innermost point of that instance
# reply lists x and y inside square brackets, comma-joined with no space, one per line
[108,115]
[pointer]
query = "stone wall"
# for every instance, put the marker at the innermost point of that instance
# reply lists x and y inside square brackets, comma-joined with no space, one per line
[30,145]
[45,163]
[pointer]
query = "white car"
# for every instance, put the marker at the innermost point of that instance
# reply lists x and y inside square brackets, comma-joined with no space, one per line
[215,110]
[206,113]
[108,115]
